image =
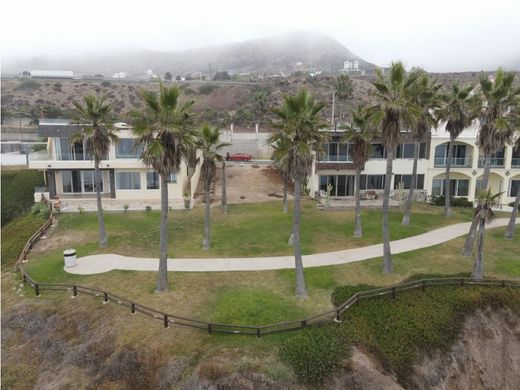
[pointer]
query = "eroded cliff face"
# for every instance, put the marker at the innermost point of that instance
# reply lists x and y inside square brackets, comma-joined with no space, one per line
[486,356]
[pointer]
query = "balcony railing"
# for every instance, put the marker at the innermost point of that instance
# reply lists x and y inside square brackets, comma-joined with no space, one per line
[495,162]
[515,162]
[455,162]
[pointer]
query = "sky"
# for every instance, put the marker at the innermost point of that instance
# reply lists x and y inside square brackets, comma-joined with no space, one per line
[439,35]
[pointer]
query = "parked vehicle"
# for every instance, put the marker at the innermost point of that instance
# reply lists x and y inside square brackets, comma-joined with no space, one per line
[239,157]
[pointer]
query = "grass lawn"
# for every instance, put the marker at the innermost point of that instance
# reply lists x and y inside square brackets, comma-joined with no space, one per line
[249,230]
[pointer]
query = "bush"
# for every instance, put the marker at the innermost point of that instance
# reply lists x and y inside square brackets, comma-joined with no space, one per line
[18,192]
[106,84]
[454,202]
[28,85]
[315,353]
[148,209]
[40,208]
[207,89]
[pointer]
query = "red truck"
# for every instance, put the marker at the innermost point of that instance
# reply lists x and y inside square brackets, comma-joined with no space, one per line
[238,157]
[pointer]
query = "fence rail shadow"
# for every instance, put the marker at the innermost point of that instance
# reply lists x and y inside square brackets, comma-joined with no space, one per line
[254,330]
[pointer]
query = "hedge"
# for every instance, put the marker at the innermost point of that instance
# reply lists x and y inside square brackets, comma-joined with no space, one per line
[18,192]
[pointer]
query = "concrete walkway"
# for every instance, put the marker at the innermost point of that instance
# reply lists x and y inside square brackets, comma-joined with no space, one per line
[96,264]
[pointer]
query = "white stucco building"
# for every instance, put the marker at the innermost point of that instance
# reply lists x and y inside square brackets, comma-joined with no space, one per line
[69,168]
[335,167]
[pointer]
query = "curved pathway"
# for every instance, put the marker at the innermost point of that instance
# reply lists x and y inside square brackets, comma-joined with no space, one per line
[97,264]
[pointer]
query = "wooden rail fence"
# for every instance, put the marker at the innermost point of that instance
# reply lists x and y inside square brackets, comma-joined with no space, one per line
[255,330]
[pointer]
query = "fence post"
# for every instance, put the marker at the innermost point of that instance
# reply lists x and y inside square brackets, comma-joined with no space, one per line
[461,282]
[209,328]
[36,289]
[338,316]
[105,298]
[257,332]
[393,292]
[74,291]
[133,308]
[424,285]
[165,320]
[24,278]
[503,283]
[304,323]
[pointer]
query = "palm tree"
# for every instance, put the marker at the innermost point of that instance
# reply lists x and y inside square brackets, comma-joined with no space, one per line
[280,162]
[510,231]
[344,88]
[208,141]
[424,95]
[359,134]
[223,197]
[95,118]
[483,214]
[299,121]
[164,129]
[498,120]
[458,112]
[393,113]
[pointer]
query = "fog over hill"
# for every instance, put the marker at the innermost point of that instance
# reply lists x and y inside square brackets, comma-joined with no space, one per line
[280,53]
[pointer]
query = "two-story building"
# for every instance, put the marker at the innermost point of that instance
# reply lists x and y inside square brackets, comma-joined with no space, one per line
[335,167]
[69,169]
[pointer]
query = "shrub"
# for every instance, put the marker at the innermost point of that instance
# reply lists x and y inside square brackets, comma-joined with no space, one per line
[106,84]
[148,209]
[512,204]
[207,89]
[126,206]
[454,202]
[28,85]
[212,371]
[315,353]
[18,192]
[40,208]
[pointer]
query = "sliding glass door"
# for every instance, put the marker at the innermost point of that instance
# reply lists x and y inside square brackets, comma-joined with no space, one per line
[79,182]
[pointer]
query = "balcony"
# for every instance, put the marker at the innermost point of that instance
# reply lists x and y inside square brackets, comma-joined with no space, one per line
[495,162]
[456,162]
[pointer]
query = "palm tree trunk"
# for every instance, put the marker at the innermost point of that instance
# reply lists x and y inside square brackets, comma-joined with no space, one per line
[223,202]
[206,242]
[285,200]
[301,290]
[103,240]
[510,232]
[470,239]
[387,254]
[478,267]
[413,184]
[358,231]
[447,207]
[162,275]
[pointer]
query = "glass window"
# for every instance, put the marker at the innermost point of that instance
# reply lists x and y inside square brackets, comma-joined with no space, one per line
[377,151]
[172,178]
[127,148]
[462,187]
[343,152]
[323,183]
[152,180]
[375,182]
[437,185]
[514,188]
[341,190]
[128,180]
[422,150]
[407,180]
[405,151]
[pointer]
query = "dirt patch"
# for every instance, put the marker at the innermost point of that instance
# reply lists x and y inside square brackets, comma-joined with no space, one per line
[62,240]
[248,184]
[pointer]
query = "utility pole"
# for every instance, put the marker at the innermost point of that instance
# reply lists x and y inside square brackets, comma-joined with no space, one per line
[209,66]
[333,104]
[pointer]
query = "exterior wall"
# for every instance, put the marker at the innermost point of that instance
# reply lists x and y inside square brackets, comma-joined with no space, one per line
[175,190]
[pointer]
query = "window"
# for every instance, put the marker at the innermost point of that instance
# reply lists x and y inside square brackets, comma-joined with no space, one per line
[378,151]
[460,157]
[514,188]
[128,180]
[497,159]
[172,178]
[152,180]
[337,152]
[372,182]
[515,158]
[458,187]
[79,181]
[342,185]
[66,151]
[407,181]
[127,148]
[408,150]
